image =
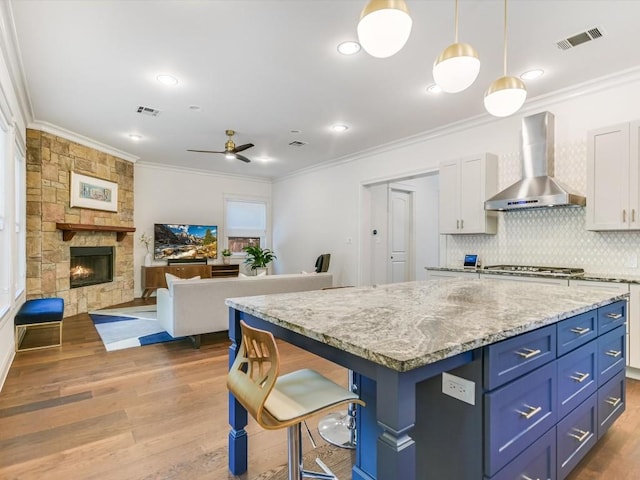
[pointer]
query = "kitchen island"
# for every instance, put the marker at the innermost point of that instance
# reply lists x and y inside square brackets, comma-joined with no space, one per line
[400,338]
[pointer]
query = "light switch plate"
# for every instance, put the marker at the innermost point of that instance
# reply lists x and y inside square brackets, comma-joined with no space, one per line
[458,387]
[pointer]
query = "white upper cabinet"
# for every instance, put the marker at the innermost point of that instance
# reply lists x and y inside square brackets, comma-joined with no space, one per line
[613,178]
[465,184]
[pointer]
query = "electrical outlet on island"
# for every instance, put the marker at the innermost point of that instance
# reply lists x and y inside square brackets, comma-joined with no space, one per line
[460,388]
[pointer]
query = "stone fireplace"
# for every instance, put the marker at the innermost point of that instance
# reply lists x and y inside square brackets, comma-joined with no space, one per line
[90,266]
[50,161]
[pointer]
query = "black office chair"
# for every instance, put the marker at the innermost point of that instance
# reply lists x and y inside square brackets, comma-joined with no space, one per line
[322,263]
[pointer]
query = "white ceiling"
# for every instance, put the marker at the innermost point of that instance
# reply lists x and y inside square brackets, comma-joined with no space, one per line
[265,68]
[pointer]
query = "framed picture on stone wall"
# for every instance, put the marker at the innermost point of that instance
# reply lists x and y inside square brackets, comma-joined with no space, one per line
[94,193]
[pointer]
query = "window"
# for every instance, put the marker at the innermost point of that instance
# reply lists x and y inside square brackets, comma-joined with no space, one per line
[246,223]
[5,238]
[20,267]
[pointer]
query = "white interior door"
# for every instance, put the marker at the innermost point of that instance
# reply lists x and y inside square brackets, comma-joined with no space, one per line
[400,265]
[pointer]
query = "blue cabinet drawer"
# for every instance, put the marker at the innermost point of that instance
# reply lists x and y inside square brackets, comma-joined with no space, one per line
[612,316]
[611,402]
[504,361]
[536,462]
[518,414]
[576,331]
[576,377]
[611,354]
[576,434]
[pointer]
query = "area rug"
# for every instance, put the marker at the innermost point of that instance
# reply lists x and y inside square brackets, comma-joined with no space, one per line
[128,327]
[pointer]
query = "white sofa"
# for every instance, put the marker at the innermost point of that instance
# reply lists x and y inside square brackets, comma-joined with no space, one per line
[193,307]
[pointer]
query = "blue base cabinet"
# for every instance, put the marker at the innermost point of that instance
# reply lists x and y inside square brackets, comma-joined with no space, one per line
[588,368]
[542,400]
[576,434]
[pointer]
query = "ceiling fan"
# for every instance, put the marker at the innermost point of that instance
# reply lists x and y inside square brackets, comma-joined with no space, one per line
[230,150]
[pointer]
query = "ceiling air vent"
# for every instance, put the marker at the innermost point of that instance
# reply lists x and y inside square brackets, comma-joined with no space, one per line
[580,38]
[297,143]
[152,112]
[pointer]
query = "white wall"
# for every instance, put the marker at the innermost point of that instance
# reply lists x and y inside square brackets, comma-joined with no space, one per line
[427,236]
[319,210]
[171,195]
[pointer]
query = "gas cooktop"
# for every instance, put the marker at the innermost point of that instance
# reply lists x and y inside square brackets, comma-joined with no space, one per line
[557,271]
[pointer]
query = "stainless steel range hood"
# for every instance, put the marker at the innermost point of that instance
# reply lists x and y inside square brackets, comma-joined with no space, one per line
[537,188]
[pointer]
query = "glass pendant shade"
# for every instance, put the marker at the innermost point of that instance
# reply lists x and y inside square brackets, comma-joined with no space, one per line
[505,96]
[384,27]
[456,68]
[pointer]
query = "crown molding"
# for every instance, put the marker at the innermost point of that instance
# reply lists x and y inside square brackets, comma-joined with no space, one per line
[82,140]
[10,49]
[209,173]
[533,105]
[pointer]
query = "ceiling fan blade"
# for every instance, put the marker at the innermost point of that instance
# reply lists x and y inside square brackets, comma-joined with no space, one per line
[203,151]
[243,158]
[241,148]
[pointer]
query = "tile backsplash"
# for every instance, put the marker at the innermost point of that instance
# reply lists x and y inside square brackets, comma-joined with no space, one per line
[550,236]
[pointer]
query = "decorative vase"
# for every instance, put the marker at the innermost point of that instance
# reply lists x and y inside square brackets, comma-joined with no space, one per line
[260,271]
[226,260]
[147,260]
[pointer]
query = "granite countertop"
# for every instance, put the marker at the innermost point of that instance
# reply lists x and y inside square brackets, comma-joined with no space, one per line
[590,277]
[407,325]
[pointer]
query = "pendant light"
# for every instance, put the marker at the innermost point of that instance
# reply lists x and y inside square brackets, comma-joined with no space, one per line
[457,66]
[505,95]
[384,27]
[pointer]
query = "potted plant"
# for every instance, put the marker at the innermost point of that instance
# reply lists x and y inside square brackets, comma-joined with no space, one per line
[258,258]
[226,256]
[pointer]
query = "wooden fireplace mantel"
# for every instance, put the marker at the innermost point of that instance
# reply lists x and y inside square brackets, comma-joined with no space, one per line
[70,229]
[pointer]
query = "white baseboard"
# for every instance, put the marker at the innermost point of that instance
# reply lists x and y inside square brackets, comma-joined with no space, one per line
[633,373]
[5,365]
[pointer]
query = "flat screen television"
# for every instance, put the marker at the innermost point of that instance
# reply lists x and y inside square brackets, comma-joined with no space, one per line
[183,242]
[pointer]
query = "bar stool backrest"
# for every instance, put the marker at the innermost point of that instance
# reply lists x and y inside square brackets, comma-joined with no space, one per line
[254,371]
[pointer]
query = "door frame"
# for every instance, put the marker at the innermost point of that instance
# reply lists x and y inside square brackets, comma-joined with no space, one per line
[365,222]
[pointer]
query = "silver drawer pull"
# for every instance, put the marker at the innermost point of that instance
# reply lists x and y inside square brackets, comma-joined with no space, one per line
[528,353]
[613,401]
[614,353]
[581,436]
[581,330]
[579,377]
[614,316]
[532,411]
[526,477]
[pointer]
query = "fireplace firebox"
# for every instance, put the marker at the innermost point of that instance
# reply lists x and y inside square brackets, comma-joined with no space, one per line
[91,266]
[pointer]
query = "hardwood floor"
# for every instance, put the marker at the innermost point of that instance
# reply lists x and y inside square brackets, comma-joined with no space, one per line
[160,412]
[154,412]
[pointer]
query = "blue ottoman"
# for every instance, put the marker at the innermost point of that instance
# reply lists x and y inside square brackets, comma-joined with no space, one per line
[39,313]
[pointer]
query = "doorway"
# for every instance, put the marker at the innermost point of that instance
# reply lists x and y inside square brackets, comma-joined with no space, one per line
[399,218]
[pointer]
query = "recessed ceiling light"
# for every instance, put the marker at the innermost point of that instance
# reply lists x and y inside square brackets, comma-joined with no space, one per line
[167,79]
[195,108]
[435,88]
[349,47]
[135,137]
[295,132]
[532,74]
[339,127]
[263,159]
